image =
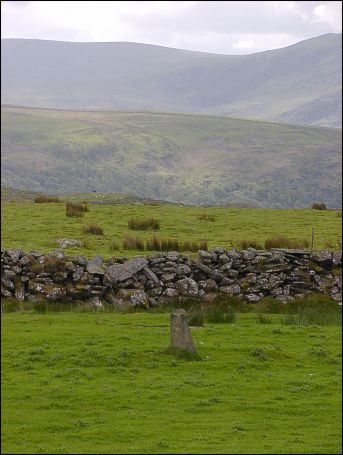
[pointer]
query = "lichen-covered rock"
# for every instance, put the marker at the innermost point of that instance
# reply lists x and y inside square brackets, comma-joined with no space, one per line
[183,269]
[181,337]
[170,292]
[64,243]
[173,256]
[150,275]
[55,293]
[94,266]
[187,287]
[253,298]
[323,258]
[96,303]
[5,292]
[233,289]
[122,272]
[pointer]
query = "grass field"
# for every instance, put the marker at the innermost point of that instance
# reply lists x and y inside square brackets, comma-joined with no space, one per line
[101,383]
[38,226]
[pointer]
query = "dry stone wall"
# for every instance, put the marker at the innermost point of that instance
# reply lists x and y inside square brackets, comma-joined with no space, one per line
[156,279]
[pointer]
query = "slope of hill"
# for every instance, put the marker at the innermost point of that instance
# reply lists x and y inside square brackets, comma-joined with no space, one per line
[300,84]
[191,159]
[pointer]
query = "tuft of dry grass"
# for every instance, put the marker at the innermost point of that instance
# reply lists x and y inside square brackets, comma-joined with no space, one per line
[205,217]
[133,243]
[319,206]
[76,210]
[245,244]
[43,199]
[93,229]
[158,244]
[149,224]
[282,241]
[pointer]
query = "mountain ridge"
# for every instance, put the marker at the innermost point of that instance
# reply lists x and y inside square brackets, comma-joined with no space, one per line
[298,84]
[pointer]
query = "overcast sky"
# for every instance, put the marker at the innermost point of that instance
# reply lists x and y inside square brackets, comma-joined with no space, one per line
[226,27]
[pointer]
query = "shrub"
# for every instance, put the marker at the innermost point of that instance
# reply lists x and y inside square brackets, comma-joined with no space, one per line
[245,244]
[205,217]
[133,243]
[319,206]
[43,199]
[150,224]
[282,241]
[93,229]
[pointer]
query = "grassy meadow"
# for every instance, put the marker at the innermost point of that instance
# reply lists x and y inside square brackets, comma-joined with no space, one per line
[102,383]
[38,226]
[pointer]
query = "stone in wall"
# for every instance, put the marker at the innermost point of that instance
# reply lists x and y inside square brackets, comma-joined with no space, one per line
[250,274]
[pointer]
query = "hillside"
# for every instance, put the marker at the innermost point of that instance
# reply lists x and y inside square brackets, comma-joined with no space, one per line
[182,158]
[298,84]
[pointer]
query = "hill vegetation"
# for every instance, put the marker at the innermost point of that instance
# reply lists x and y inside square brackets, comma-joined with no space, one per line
[189,159]
[299,84]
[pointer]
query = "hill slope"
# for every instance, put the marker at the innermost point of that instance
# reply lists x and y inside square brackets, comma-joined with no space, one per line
[299,84]
[183,158]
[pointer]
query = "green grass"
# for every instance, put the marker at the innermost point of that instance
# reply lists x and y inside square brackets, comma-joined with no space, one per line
[38,226]
[104,383]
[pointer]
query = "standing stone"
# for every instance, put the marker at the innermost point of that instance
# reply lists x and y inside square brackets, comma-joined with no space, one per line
[181,337]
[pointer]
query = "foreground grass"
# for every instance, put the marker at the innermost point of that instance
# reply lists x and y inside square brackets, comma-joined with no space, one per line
[101,383]
[38,226]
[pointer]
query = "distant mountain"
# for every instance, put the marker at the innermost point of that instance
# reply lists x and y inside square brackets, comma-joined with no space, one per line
[192,159]
[299,84]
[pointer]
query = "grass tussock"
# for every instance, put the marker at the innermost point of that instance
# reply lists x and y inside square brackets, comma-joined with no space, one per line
[113,245]
[205,217]
[282,241]
[149,224]
[319,206]
[182,355]
[245,244]
[93,229]
[216,315]
[133,243]
[158,244]
[314,309]
[263,319]
[196,317]
[44,199]
[76,210]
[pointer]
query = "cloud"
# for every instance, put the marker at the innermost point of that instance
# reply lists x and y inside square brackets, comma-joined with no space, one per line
[329,14]
[244,44]
[212,26]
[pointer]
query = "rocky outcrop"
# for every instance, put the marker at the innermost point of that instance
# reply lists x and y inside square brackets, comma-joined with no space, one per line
[149,281]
